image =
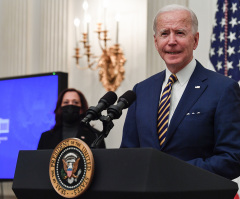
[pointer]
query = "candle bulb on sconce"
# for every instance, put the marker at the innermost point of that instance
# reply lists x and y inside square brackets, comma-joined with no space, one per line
[105,5]
[88,20]
[117,17]
[77,49]
[85,8]
[77,24]
[87,32]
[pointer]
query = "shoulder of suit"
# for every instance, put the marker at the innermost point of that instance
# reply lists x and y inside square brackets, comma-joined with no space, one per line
[218,76]
[157,77]
[213,75]
[51,132]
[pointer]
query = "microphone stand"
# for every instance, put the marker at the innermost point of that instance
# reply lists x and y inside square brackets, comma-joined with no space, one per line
[107,126]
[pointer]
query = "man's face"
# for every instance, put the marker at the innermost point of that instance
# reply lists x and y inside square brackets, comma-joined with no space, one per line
[174,39]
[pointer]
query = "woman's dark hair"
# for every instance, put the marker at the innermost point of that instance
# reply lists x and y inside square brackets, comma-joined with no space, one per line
[58,111]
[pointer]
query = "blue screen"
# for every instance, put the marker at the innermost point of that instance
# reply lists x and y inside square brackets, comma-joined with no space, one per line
[26,111]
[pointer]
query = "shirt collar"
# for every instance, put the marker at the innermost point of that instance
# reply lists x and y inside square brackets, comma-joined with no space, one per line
[184,74]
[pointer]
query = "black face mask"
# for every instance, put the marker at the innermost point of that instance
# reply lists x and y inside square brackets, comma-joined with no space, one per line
[70,114]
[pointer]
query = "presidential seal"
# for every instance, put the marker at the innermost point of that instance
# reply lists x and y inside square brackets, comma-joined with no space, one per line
[71,167]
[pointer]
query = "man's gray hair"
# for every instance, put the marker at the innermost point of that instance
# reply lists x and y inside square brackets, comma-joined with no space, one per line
[174,7]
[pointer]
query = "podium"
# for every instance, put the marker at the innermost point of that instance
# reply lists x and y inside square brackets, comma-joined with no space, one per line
[125,174]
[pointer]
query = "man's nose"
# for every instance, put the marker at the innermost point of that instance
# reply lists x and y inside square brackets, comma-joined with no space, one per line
[172,39]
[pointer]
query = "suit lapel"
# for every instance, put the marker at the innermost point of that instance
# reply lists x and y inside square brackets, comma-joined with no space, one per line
[196,86]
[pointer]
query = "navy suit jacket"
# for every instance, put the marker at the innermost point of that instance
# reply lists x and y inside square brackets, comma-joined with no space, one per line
[204,129]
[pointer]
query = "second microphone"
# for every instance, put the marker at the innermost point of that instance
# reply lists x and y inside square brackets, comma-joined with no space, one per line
[94,112]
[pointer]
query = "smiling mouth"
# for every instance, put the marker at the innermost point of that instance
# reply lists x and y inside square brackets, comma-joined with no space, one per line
[173,53]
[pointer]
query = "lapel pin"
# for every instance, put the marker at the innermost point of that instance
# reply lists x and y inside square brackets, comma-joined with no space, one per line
[197,86]
[188,113]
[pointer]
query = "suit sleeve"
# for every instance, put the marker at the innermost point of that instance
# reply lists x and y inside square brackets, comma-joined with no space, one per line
[225,160]
[130,132]
[48,140]
[42,142]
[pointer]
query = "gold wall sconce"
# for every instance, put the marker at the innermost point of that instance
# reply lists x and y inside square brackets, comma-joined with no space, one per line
[110,64]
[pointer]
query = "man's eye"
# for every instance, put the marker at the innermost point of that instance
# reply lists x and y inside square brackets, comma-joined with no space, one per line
[180,33]
[164,34]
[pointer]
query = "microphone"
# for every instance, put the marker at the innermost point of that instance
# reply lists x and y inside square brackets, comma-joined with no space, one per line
[115,111]
[94,112]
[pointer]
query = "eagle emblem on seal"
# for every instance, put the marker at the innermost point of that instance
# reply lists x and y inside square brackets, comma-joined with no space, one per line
[70,166]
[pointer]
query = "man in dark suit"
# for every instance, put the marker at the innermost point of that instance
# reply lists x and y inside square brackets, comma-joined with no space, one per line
[201,122]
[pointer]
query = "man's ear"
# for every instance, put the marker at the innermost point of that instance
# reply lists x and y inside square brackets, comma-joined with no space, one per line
[155,41]
[196,39]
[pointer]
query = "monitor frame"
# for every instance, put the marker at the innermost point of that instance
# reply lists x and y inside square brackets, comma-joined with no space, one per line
[62,84]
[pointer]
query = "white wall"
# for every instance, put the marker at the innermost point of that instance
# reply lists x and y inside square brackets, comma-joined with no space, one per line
[205,11]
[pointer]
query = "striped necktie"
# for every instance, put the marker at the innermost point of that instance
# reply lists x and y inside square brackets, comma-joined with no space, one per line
[163,109]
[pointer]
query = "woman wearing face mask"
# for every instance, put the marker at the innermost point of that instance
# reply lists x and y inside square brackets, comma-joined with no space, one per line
[70,109]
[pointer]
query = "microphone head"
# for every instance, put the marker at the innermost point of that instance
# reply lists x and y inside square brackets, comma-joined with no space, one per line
[109,98]
[127,98]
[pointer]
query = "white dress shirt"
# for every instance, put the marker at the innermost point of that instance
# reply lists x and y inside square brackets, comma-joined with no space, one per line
[179,86]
